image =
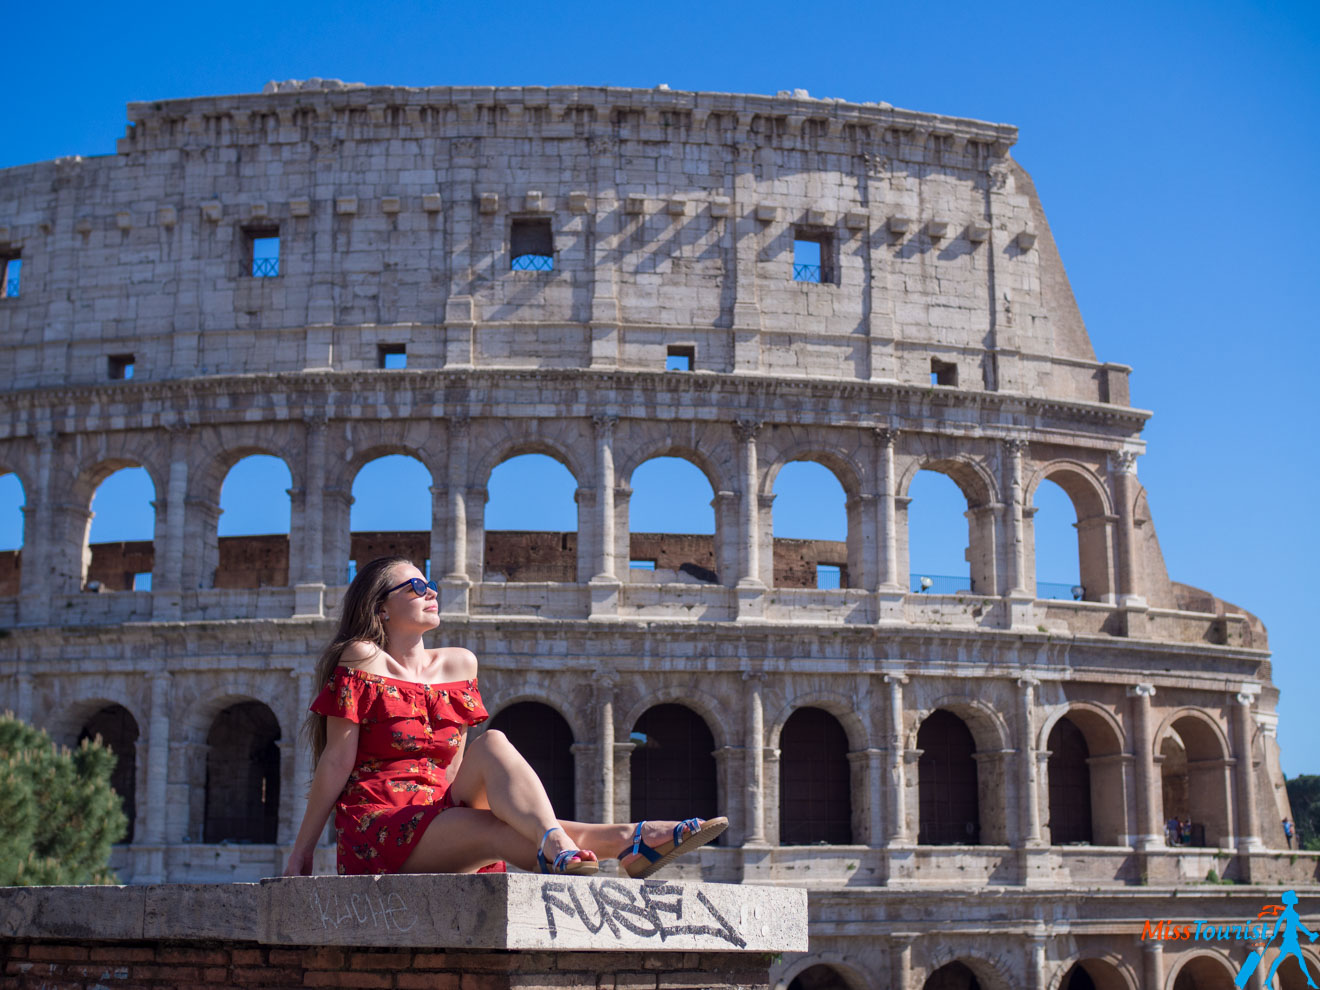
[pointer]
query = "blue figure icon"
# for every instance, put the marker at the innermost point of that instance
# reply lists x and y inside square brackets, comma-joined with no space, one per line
[1291,923]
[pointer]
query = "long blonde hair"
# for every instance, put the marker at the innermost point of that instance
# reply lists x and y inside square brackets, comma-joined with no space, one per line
[359,619]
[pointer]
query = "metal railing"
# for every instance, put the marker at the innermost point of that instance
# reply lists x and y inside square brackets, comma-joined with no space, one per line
[11,289]
[806,273]
[265,267]
[940,584]
[533,263]
[1060,591]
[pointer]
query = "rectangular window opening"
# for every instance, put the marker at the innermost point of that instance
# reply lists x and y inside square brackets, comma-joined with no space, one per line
[680,357]
[264,250]
[813,253]
[943,372]
[829,576]
[351,571]
[12,266]
[392,355]
[641,565]
[142,581]
[531,246]
[120,366]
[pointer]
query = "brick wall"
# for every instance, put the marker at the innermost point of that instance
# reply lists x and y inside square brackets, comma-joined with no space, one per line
[45,964]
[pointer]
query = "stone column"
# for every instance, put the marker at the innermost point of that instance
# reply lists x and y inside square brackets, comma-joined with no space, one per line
[1125,486]
[1150,831]
[453,567]
[1017,560]
[900,960]
[1036,962]
[897,803]
[887,513]
[749,559]
[155,807]
[1030,803]
[1152,964]
[1248,820]
[605,733]
[755,760]
[168,563]
[309,585]
[303,768]
[603,520]
[39,546]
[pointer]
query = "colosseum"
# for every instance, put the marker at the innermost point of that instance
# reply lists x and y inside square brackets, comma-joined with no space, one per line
[972,781]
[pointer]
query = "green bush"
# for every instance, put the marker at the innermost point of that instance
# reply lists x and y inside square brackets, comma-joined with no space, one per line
[58,814]
[1304,796]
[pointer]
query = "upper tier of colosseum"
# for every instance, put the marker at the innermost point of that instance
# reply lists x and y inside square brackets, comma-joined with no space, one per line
[670,220]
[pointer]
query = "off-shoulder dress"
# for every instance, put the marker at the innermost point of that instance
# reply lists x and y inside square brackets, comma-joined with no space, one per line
[408,736]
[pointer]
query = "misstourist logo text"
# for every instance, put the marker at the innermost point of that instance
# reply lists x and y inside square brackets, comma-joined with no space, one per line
[1274,921]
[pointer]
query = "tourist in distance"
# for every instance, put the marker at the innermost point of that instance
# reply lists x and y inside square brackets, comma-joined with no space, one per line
[389,737]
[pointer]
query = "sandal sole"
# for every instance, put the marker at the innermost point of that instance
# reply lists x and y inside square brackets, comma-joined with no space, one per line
[712,829]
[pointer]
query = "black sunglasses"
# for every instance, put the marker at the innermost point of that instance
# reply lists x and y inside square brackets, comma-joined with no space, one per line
[418,587]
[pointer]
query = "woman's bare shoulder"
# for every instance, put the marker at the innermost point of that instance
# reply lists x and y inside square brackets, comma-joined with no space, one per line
[359,653]
[456,663]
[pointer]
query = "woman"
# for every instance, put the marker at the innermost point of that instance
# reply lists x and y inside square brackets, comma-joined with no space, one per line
[389,736]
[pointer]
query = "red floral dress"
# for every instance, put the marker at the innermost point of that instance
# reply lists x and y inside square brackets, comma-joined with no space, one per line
[409,735]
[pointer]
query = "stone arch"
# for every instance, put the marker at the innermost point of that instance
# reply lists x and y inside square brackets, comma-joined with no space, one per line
[712,711]
[981,492]
[242,769]
[1106,972]
[11,558]
[1107,769]
[840,975]
[635,457]
[817,780]
[706,556]
[577,722]
[986,724]
[856,570]
[208,570]
[678,772]
[508,447]
[991,973]
[1289,975]
[79,513]
[1207,969]
[545,739]
[1095,516]
[1193,754]
[841,707]
[120,732]
[991,754]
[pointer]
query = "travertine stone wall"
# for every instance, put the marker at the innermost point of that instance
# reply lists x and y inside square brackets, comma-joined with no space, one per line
[942,337]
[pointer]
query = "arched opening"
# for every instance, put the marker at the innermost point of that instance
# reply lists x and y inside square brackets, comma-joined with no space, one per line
[1289,975]
[815,792]
[391,512]
[671,523]
[11,534]
[253,530]
[118,730]
[1093,974]
[940,547]
[1054,534]
[1204,973]
[242,775]
[531,521]
[811,528]
[947,782]
[544,739]
[819,977]
[120,549]
[1070,785]
[1194,784]
[952,976]
[672,768]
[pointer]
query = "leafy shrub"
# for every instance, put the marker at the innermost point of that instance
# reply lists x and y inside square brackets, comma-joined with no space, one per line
[58,813]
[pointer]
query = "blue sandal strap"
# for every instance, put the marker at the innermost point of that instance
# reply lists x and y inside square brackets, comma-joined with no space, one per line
[640,847]
[561,861]
[687,825]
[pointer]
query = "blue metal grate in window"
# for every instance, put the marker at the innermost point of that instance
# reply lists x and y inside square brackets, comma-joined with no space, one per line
[806,273]
[265,267]
[533,263]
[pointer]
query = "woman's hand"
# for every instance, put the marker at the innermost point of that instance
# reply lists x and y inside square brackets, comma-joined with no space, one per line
[300,863]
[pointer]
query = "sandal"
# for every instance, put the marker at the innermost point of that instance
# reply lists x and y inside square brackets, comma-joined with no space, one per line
[563,865]
[688,835]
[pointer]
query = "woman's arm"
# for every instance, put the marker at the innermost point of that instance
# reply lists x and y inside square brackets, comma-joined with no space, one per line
[341,743]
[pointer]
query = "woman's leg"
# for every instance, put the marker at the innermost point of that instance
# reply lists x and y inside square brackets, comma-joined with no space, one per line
[462,840]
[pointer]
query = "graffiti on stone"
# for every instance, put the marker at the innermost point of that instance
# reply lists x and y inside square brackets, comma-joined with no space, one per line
[653,910]
[371,910]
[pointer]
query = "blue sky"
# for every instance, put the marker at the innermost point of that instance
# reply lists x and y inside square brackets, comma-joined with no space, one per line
[1174,146]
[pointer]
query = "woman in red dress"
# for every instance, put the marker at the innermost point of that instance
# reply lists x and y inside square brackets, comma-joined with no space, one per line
[389,735]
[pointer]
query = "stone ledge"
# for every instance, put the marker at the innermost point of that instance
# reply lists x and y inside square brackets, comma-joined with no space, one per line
[513,911]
